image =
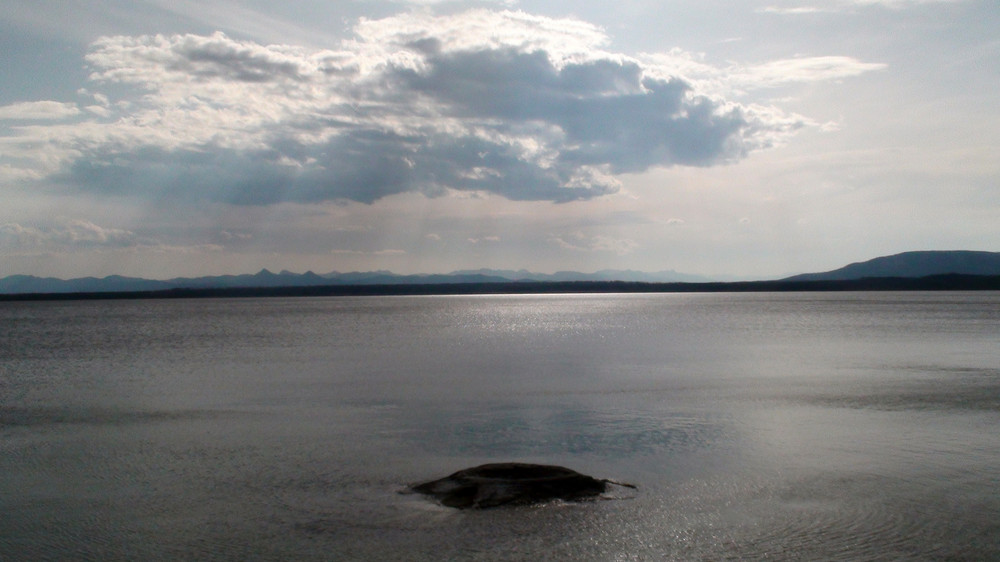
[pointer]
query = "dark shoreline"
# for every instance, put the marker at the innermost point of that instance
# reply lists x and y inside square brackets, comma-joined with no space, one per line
[947,282]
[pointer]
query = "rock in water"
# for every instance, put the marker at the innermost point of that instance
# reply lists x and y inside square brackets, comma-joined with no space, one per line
[511,483]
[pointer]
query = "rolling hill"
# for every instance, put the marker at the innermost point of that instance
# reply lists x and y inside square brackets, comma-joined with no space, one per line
[913,264]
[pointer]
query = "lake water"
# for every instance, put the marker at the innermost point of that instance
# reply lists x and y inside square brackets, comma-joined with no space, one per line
[823,426]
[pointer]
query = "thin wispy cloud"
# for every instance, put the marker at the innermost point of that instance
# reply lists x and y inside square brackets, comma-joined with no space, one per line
[67,234]
[837,6]
[731,80]
[797,10]
[580,242]
[389,252]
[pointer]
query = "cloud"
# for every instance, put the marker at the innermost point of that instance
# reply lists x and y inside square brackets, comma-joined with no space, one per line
[38,110]
[227,235]
[436,2]
[389,252]
[848,5]
[79,237]
[527,107]
[67,234]
[899,3]
[735,79]
[484,239]
[578,241]
[804,69]
[797,10]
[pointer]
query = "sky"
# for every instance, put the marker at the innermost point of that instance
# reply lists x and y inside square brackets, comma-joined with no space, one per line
[752,139]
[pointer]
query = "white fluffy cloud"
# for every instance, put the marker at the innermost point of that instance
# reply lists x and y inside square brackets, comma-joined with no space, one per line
[527,107]
[38,110]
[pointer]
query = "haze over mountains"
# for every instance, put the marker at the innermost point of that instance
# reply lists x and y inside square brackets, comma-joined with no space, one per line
[906,265]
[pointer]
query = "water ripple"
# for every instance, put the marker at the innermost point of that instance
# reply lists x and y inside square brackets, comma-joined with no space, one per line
[45,416]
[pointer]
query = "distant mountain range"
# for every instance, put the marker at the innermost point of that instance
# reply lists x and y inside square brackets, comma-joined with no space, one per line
[905,265]
[23,284]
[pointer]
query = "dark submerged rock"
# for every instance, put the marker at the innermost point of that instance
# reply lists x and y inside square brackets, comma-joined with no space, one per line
[492,485]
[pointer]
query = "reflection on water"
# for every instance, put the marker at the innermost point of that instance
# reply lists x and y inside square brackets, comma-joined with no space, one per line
[966,389]
[566,430]
[823,427]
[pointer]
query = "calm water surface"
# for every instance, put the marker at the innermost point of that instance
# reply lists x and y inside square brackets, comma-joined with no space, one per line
[855,426]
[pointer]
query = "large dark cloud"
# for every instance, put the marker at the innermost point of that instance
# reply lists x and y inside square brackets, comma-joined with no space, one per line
[363,166]
[251,124]
[607,111]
